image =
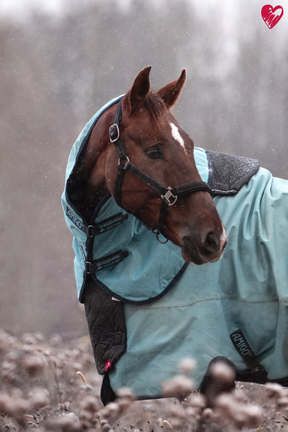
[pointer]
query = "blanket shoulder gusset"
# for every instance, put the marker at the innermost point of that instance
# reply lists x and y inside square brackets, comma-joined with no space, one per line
[229,173]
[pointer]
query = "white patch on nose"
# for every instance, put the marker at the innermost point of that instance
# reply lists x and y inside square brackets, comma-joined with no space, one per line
[223,237]
[176,135]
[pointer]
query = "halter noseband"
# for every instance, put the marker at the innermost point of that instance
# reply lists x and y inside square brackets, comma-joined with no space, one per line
[169,195]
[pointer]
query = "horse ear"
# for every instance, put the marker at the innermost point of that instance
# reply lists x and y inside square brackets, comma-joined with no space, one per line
[171,92]
[139,90]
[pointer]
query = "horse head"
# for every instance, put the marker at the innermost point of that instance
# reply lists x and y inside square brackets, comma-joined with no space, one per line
[150,141]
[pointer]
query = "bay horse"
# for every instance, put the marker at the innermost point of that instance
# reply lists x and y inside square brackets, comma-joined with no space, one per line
[155,143]
[151,300]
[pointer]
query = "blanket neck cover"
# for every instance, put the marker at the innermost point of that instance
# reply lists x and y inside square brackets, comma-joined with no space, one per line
[175,309]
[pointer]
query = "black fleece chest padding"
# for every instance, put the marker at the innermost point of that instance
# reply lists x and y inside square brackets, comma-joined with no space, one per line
[106,323]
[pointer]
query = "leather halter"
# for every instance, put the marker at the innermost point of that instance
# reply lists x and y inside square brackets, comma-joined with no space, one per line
[169,195]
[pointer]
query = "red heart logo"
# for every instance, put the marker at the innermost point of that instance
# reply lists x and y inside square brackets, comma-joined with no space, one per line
[271,15]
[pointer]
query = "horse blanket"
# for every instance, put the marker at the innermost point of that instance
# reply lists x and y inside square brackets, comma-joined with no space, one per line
[169,309]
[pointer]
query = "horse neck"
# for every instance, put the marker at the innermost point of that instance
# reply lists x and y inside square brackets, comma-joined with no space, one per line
[90,185]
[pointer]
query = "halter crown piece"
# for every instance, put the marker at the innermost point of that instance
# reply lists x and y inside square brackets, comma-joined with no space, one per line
[169,195]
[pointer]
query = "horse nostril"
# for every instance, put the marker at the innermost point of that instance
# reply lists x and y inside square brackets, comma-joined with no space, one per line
[212,242]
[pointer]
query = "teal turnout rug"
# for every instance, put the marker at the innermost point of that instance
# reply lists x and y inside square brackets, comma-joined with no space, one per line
[236,308]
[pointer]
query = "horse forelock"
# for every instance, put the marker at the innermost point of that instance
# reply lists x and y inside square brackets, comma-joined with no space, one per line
[154,104]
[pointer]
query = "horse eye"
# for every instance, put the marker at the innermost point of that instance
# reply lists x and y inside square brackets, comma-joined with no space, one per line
[154,153]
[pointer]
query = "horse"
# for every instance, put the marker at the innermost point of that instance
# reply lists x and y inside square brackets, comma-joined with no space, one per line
[149,213]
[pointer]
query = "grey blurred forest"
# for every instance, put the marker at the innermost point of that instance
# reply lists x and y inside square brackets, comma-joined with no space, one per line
[56,71]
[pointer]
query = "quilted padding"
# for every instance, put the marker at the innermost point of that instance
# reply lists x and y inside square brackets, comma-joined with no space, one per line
[228,173]
[106,323]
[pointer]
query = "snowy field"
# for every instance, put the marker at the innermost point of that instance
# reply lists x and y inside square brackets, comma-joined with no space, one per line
[52,385]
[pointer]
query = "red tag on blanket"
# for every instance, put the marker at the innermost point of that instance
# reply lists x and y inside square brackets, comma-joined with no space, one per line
[107,365]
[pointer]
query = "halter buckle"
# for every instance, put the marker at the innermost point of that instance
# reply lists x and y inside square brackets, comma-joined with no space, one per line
[114,132]
[168,195]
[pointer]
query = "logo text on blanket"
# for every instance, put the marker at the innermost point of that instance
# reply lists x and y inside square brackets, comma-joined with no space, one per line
[73,217]
[245,351]
[240,344]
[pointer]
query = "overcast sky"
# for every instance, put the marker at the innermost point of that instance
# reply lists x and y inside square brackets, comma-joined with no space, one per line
[23,7]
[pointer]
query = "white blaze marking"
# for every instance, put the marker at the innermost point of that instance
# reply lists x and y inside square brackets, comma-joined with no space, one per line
[176,135]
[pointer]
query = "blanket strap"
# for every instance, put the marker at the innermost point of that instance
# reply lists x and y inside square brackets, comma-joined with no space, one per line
[245,351]
[105,262]
[105,225]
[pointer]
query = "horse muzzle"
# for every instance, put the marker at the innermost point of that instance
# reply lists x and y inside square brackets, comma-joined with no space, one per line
[207,249]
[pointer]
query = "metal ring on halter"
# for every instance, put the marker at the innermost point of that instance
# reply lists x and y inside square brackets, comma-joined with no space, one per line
[157,236]
[128,160]
[168,195]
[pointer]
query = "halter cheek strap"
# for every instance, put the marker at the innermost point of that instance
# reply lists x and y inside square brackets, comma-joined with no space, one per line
[169,195]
